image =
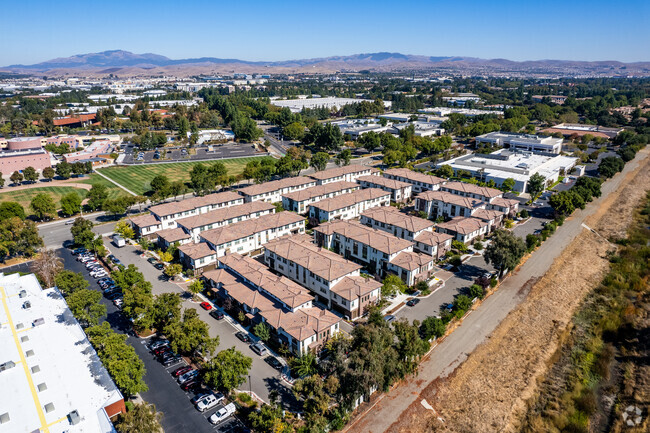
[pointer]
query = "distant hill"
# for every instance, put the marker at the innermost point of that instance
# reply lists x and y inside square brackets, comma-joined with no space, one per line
[126,63]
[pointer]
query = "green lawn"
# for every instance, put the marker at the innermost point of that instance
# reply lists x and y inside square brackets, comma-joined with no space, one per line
[137,177]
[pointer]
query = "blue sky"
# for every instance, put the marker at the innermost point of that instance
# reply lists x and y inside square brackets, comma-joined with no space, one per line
[39,30]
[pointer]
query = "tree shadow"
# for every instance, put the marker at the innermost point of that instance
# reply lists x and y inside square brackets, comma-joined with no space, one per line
[287,400]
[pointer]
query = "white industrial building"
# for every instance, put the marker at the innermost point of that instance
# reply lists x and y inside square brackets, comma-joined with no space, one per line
[534,143]
[518,165]
[297,105]
[51,378]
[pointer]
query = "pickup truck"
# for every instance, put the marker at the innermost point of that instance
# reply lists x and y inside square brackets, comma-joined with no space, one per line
[223,413]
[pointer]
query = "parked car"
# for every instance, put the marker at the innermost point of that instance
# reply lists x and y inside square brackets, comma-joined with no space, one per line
[223,413]
[207,402]
[182,370]
[259,349]
[152,260]
[112,296]
[188,376]
[216,314]
[273,362]
[413,302]
[243,337]
[79,251]
[390,318]
[118,302]
[194,400]
[172,360]
[191,385]
[206,306]
[158,344]
[159,266]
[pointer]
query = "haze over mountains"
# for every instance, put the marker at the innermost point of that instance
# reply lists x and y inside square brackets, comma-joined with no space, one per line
[125,63]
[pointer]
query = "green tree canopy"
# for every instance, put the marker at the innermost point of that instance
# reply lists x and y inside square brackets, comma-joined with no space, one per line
[43,206]
[10,209]
[190,334]
[85,306]
[96,196]
[69,282]
[70,203]
[227,370]
[505,250]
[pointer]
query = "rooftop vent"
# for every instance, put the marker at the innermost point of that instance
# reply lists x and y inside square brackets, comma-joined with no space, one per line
[29,353]
[7,365]
[49,407]
[42,387]
[22,294]
[24,338]
[38,321]
[74,417]
[36,369]
[4,418]
[19,326]
[27,305]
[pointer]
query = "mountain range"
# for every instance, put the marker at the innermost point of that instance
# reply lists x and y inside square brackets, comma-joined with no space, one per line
[125,63]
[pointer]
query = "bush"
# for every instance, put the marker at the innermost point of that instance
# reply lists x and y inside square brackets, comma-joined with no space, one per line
[422,286]
[493,282]
[459,246]
[462,303]
[476,291]
[455,260]
[524,213]
[559,220]
[532,241]
[432,327]
[478,245]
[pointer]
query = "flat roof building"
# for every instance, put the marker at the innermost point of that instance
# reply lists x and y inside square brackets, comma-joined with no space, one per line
[579,129]
[297,105]
[533,143]
[51,377]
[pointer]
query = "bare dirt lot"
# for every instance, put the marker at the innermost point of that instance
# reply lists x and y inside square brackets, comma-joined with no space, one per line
[489,390]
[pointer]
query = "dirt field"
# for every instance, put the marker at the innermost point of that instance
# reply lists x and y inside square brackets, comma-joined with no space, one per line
[488,391]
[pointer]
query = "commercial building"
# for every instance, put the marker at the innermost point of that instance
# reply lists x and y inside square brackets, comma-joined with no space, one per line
[297,105]
[414,229]
[444,204]
[286,307]
[579,129]
[346,173]
[355,128]
[195,225]
[94,149]
[533,143]
[421,128]
[555,99]
[50,375]
[246,237]
[18,160]
[517,165]
[299,201]
[463,229]
[333,280]
[420,181]
[348,206]
[168,213]
[272,191]
[400,192]
[469,112]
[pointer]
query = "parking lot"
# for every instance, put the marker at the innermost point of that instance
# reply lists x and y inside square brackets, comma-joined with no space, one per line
[176,154]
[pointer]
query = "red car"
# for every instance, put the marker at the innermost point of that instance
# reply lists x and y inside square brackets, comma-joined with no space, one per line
[181,370]
[206,306]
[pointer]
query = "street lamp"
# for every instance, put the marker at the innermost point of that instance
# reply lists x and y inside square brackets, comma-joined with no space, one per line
[250,389]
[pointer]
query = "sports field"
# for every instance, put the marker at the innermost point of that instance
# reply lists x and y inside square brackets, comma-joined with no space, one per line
[136,178]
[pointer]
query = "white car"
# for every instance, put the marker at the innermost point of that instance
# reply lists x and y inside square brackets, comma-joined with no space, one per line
[222,413]
[118,302]
[208,402]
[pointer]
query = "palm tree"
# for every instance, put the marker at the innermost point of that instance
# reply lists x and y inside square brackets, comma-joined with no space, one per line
[305,365]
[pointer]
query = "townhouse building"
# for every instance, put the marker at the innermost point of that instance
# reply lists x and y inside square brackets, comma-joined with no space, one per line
[299,201]
[433,243]
[493,218]
[346,173]
[283,305]
[348,206]
[400,192]
[222,217]
[471,190]
[245,237]
[465,230]
[333,280]
[506,206]
[168,213]
[444,204]
[145,226]
[420,181]
[272,192]
[168,237]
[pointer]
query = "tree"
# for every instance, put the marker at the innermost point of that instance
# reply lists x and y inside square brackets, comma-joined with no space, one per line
[262,330]
[476,291]
[269,419]
[69,282]
[123,364]
[2,180]
[85,306]
[326,137]
[610,165]
[505,250]
[10,209]
[160,186]
[47,265]
[30,174]
[16,178]
[117,206]
[305,365]
[392,285]
[199,179]
[432,327]
[227,370]
[410,347]
[445,171]
[508,184]
[462,303]
[125,230]
[18,238]
[165,310]
[49,173]
[190,334]
[370,141]
[565,202]
[173,270]
[43,206]
[97,196]
[344,157]
[536,185]
[143,418]
[70,203]
[63,170]
[294,131]
[82,233]
[319,161]
[314,394]
[196,287]
[177,188]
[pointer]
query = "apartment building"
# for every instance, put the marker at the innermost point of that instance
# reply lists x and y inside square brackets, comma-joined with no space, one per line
[465,230]
[471,190]
[400,192]
[222,217]
[272,191]
[494,218]
[444,204]
[433,243]
[168,237]
[346,173]
[412,267]
[168,213]
[286,307]
[506,206]
[299,201]
[348,206]
[244,237]
[333,280]
[420,181]
[145,225]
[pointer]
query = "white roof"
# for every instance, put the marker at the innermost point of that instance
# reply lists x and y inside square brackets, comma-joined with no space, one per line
[56,369]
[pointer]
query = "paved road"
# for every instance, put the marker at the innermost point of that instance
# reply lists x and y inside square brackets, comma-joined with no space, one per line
[57,232]
[477,326]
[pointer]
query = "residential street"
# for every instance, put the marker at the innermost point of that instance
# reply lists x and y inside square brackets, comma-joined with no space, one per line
[480,323]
